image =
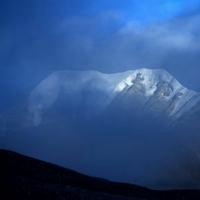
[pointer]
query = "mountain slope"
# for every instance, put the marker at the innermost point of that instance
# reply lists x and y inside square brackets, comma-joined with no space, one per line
[27,178]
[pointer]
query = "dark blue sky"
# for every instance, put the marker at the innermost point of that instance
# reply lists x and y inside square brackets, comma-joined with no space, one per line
[40,36]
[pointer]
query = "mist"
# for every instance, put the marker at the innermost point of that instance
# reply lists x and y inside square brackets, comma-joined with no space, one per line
[39,38]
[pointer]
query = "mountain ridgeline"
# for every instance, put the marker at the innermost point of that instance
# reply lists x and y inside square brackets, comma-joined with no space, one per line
[25,178]
[143,91]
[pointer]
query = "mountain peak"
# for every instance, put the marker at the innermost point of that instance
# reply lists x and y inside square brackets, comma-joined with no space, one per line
[149,78]
[94,91]
[158,91]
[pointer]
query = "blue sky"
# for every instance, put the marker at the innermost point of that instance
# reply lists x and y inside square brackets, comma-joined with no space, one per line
[146,11]
[41,36]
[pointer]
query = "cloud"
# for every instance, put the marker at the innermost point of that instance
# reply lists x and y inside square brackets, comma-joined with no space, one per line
[109,45]
[166,37]
[172,45]
[107,41]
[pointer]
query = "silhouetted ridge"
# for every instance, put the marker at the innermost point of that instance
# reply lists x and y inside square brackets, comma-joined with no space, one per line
[28,178]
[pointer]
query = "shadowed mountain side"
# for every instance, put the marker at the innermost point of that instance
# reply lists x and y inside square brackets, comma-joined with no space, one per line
[28,178]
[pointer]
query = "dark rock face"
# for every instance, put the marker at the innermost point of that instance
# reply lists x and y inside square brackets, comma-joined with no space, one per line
[26,178]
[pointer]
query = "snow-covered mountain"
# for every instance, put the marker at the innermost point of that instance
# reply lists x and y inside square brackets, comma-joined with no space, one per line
[142,91]
[139,126]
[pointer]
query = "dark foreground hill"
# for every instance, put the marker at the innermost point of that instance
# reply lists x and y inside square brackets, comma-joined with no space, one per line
[25,178]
